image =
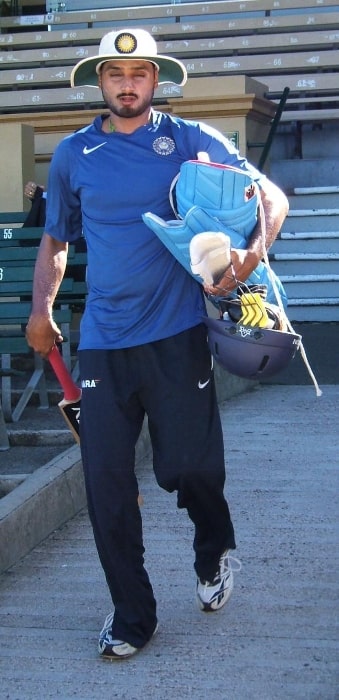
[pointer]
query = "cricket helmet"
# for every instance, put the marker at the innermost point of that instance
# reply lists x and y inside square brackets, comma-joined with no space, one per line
[248,351]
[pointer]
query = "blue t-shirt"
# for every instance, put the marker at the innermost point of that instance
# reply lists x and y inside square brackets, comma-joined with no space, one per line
[100,185]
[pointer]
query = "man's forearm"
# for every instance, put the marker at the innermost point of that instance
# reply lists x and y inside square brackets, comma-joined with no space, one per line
[41,330]
[272,216]
[49,271]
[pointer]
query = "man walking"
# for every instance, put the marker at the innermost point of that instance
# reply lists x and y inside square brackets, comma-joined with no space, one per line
[143,346]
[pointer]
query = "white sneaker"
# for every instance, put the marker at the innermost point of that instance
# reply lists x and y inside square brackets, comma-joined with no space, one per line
[110,648]
[212,595]
[210,254]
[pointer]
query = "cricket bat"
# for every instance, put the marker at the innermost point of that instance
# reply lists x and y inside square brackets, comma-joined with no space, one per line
[70,404]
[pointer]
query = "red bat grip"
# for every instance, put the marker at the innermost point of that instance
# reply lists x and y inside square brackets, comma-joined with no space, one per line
[70,389]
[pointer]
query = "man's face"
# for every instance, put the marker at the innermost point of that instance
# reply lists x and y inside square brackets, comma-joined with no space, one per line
[128,86]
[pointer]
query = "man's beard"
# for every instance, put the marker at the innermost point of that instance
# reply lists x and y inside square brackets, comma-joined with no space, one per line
[129,112]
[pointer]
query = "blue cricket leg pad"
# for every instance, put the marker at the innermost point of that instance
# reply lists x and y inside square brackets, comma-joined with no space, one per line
[177,234]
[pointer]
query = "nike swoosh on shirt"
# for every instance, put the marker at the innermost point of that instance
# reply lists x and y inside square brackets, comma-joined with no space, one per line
[87,150]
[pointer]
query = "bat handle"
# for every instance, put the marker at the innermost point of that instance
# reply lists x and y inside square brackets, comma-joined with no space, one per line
[70,389]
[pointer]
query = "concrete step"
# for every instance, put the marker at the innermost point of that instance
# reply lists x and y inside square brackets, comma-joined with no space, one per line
[305,172]
[293,243]
[320,140]
[317,310]
[309,235]
[311,286]
[312,220]
[306,256]
[304,266]
[317,190]
[315,211]
[314,197]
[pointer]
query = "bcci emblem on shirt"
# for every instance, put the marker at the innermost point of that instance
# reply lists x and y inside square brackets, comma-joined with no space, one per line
[164,146]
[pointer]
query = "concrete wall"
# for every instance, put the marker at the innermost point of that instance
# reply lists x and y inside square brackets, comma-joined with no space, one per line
[18,165]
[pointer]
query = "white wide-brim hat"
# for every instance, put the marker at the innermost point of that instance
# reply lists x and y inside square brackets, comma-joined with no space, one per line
[128,44]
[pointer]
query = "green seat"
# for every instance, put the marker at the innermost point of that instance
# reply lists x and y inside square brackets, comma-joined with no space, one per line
[18,252]
[13,318]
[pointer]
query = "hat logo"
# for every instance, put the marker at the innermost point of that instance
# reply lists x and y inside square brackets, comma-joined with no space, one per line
[125,43]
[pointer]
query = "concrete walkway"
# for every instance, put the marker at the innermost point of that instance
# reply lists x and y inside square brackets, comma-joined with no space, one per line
[277,638]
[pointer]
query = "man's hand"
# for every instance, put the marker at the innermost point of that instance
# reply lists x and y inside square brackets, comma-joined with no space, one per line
[42,333]
[30,190]
[243,263]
